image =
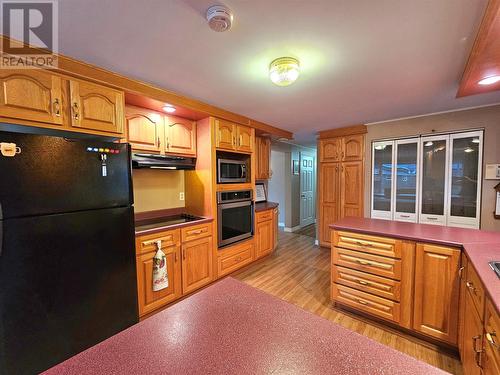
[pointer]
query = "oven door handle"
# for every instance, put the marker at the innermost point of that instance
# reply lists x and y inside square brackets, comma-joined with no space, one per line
[243,168]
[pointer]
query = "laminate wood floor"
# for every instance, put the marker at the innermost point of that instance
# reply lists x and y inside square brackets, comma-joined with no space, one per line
[309,231]
[299,272]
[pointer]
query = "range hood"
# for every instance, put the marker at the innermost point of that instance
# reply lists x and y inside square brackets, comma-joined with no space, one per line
[155,161]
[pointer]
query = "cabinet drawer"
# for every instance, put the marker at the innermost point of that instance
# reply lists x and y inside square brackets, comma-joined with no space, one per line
[368,303]
[365,262]
[233,259]
[387,247]
[196,231]
[263,216]
[492,335]
[366,282]
[147,243]
[475,288]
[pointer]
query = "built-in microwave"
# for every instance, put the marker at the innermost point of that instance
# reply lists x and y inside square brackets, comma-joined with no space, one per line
[231,171]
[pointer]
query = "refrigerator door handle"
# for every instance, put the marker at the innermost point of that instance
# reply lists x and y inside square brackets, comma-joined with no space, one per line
[1,229]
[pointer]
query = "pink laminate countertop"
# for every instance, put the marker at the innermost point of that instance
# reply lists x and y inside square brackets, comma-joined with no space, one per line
[232,328]
[264,206]
[480,246]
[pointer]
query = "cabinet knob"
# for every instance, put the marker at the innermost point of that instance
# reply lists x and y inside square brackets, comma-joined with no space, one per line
[76,111]
[57,107]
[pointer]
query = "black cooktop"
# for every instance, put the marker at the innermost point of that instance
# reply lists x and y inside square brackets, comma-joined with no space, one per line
[166,221]
[496,267]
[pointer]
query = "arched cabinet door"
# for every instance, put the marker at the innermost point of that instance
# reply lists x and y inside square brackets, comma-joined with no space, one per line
[330,149]
[96,108]
[33,95]
[144,129]
[180,136]
[352,148]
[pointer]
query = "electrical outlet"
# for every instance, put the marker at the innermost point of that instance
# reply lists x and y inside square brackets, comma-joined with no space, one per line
[181,196]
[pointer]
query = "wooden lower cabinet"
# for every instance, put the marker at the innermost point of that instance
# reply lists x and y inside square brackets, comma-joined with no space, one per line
[197,270]
[264,236]
[437,292]
[414,285]
[235,257]
[491,341]
[189,254]
[147,298]
[276,214]
[473,338]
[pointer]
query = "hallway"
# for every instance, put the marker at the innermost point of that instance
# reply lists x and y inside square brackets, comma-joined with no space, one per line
[299,272]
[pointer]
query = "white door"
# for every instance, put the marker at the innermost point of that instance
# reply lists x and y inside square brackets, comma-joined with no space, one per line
[307,214]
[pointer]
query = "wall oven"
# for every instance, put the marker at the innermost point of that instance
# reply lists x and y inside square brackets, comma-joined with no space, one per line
[231,171]
[235,216]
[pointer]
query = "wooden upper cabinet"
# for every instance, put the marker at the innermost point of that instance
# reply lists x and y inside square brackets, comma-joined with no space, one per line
[330,149]
[244,138]
[33,95]
[233,137]
[225,134]
[197,268]
[96,108]
[144,129]
[150,300]
[437,292]
[180,136]
[353,147]
[262,156]
[351,189]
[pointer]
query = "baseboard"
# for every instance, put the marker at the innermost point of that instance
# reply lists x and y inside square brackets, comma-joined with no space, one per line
[293,229]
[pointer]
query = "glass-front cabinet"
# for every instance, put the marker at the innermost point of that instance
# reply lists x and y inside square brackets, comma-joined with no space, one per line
[428,179]
[465,179]
[433,179]
[406,179]
[382,179]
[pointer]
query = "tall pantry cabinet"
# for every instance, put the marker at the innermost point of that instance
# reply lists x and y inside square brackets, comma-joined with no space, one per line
[341,155]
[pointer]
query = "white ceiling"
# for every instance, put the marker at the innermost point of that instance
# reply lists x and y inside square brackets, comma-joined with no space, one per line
[362,60]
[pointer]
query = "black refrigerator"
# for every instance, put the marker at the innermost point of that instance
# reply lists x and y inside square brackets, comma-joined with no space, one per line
[67,256]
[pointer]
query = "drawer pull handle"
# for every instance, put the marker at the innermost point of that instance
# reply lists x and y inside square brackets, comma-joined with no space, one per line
[363,302]
[491,340]
[364,244]
[460,272]
[152,242]
[363,282]
[471,287]
[373,264]
[199,231]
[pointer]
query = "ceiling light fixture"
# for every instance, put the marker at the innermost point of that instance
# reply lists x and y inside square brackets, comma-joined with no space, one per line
[468,149]
[476,140]
[284,71]
[490,80]
[379,147]
[428,144]
[169,108]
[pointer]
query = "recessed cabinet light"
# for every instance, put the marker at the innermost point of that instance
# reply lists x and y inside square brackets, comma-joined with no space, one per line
[489,80]
[169,108]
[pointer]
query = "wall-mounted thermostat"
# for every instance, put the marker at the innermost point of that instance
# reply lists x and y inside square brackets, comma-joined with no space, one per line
[492,172]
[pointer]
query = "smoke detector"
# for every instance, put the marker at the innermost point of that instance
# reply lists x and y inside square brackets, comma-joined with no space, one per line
[219,17]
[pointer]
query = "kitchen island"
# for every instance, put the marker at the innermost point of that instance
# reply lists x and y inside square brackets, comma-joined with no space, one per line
[231,328]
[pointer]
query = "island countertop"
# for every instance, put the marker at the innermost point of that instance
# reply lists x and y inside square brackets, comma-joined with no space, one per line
[480,246]
[232,328]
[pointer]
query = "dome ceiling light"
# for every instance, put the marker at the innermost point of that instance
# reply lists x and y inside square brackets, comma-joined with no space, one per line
[284,71]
